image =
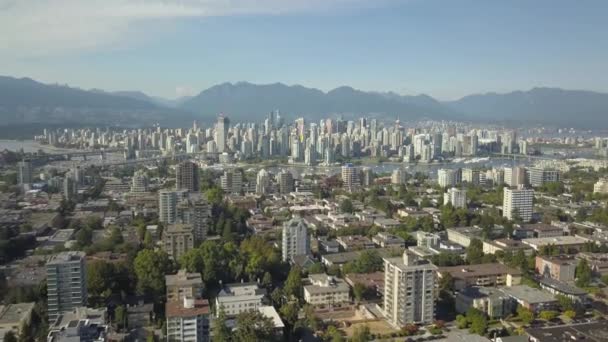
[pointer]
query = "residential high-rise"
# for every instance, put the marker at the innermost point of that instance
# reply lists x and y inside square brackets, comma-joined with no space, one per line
[66,283]
[470,176]
[538,176]
[295,239]
[398,177]
[367,176]
[139,183]
[262,185]
[457,197]
[167,206]
[187,177]
[188,320]
[518,202]
[515,176]
[285,182]
[177,240]
[350,177]
[446,178]
[69,187]
[232,182]
[409,286]
[25,172]
[221,133]
[200,219]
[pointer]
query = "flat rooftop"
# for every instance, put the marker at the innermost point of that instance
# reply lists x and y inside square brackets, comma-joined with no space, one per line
[591,332]
[529,294]
[480,270]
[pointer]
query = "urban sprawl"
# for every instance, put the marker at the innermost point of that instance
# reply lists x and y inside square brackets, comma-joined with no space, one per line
[333,230]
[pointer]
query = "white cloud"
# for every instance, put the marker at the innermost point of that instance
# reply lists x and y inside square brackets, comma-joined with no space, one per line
[42,27]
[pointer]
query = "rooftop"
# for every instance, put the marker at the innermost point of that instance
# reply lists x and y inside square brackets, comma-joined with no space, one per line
[195,307]
[555,240]
[66,257]
[480,270]
[592,332]
[528,294]
[183,278]
[14,313]
[561,286]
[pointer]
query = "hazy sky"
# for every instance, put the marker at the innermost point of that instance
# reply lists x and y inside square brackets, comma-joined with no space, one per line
[446,49]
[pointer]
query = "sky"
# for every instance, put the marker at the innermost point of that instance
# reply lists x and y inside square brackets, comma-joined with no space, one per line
[172,48]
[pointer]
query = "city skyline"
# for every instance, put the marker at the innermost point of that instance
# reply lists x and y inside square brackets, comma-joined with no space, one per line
[446,50]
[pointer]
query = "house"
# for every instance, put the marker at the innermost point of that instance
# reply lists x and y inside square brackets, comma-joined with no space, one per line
[322,289]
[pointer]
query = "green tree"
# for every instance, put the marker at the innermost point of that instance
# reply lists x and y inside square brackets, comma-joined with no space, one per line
[361,334]
[359,291]
[10,336]
[474,252]
[99,282]
[293,284]
[583,273]
[215,195]
[93,222]
[477,320]
[571,314]
[525,315]
[334,335]
[252,326]
[565,303]
[316,268]
[84,237]
[548,315]
[150,268]
[461,322]
[221,333]
[289,312]
[120,317]
[346,206]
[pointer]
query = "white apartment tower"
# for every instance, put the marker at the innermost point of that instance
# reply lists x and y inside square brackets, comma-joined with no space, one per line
[518,202]
[457,197]
[295,239]
[446,178]
[409,290]
[66,283]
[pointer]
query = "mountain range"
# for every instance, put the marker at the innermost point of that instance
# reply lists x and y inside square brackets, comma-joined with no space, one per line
[23,100]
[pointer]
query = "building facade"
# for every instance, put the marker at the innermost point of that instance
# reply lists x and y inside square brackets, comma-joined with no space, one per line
[66,283]
[409,290]
[295,239]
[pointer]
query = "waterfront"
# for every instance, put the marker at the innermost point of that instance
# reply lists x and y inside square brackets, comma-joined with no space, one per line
[29,146]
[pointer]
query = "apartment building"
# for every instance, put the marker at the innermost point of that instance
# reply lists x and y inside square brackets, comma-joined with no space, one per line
[66,283]
[409,290]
